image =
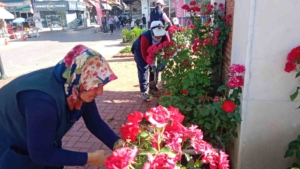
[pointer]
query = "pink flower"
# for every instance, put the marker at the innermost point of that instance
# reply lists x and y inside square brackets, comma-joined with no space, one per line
[223,161]
[161,161]
[121,158]
[237,81]
[206,41]
[216,99]
[158,116]
[236,68]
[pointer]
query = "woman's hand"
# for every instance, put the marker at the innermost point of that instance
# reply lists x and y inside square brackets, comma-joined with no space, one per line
[97,158]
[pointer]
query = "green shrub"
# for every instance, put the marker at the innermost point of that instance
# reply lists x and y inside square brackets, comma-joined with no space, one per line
[132,35]
[127,49]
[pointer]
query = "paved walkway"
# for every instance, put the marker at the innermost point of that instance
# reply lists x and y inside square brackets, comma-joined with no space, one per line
[120,97]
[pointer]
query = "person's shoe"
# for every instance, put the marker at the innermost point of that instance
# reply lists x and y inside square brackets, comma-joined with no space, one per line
[145,96]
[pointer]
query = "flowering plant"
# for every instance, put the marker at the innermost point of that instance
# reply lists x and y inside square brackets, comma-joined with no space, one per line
[161,141]
[192,79]
[293,59]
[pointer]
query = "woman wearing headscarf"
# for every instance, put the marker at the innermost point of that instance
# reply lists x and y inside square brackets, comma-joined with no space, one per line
[38,109]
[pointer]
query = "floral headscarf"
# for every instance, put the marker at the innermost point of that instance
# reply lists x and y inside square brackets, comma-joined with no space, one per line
[82,70]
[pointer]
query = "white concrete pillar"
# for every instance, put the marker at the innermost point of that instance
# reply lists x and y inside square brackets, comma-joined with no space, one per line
[263,34]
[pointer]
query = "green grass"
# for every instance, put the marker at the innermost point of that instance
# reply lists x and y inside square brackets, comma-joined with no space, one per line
[127,49]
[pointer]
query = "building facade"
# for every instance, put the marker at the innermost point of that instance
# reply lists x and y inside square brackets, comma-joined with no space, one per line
[59,14]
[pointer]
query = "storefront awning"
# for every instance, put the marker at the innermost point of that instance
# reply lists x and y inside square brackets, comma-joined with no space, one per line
[106,6]
[24,9]
[13,2]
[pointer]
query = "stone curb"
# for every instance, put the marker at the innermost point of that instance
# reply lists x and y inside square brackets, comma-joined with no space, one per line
[123,55]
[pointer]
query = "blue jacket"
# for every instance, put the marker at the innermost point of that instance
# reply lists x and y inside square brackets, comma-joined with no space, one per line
[13,144]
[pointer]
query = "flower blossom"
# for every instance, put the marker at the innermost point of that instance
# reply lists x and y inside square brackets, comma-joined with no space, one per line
[228,106]
[121,158]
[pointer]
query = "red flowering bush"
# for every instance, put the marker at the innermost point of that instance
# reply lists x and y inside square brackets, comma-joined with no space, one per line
[161,142]
[191,77]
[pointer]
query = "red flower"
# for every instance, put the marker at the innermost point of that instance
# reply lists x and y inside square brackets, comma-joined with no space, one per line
[121,158]
[185,92]
[158,116]
[160,161]
[228,106]
[193,3]
[294,54]
[168,93]
[135,117]
[290,66]
[185,7]
[129,131]
[221,6]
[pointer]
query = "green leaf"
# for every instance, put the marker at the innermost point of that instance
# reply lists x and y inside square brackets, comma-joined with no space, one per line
[201,121]
[167,150]
[188,109]
[217,123]
[237,117]
[289,153]
[223,87]
[207,125]
[188,157]
[295,165]
[144,134]
[110,120]
[298,74]
[150,150]
[298,155]
[294,145]
[235,134]
[298,139]
[294,96]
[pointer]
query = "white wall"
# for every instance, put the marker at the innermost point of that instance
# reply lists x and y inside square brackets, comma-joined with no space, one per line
[263,34]
[145,9]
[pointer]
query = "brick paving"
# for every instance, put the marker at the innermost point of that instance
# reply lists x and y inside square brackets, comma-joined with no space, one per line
[120,97]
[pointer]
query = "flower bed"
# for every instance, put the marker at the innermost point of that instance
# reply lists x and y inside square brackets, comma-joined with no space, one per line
[157,139]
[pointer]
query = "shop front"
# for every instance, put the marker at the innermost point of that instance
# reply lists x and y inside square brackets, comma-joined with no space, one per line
[59,14]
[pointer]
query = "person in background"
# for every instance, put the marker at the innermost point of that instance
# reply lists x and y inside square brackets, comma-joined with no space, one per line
[157,14]
[144,21]
[111,24]
[141,24]
[38,109]
[117,22]
[121,20]
[154,36]
[104,24]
